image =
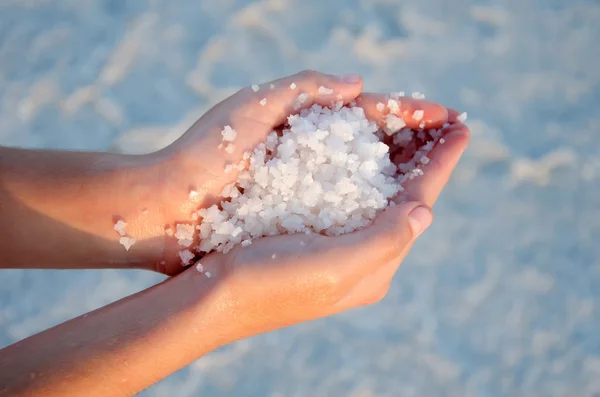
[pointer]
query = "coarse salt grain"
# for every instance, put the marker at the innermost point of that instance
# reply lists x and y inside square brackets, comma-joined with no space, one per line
[380,107]
[207,274]
[246,243]
[418,95]
[272,86]
[230,148]
[229,168]
[199,267]
[263,102]
[302,98]
[325,91]
[228,134]
[273,256]
[442,141]
[169,231]
[462,117]
[127,242]
[120,227]
[186,256]
[394,106]
[418,115]
[194,195]
[255,88]
[293,86]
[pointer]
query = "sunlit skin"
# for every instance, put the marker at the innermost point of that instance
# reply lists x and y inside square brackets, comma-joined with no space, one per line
[61,208]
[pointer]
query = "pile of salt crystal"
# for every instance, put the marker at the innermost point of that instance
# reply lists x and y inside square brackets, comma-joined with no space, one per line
[327,172]
[124,240]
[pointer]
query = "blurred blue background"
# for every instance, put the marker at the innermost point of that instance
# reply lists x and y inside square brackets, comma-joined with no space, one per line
[500,297]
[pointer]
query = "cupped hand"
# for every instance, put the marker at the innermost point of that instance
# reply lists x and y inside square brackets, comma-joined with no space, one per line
[283,280]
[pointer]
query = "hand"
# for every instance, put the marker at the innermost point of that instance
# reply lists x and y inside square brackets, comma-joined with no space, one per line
[195,161]
[282,280]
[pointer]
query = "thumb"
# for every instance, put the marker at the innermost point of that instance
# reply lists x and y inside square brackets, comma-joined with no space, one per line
[393,230]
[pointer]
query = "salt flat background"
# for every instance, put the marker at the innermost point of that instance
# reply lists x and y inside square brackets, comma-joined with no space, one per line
[500,298]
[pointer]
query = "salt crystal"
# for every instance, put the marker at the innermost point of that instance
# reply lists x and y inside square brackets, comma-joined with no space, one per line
[462,117]
[194,195]
[230,148]
[302,98]
[424,160]
[418,115]
[393,124]
[273,256]
[394,106]
[127,242]
[272,86]
[169,232]
[199,267]
[293,86]
[246,243]
[228,134]
[186,256]
[325,91]
[442,141]
[380,107]
[120,227]
[418,95]
[255,88]
[263,101]
[229,168]
[207,274]
[422,124]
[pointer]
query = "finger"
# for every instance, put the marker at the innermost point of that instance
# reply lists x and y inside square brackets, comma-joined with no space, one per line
[443,159]
[453,116]
[293,93]
[434,115]
[393,230]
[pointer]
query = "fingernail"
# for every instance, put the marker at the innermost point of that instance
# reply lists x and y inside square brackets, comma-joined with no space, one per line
[350,78]
[419,220]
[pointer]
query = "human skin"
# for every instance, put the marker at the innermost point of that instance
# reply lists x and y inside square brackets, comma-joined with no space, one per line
[61,208]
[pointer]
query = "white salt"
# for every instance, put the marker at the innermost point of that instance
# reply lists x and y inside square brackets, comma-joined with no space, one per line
[228,134]
[393,124]
[186,256]
[185,234]
[327,171]
[127,242]
[325,91]
[194,195]
[418,115]
[272,86]
[442,141]
[424,160]
[380,107]
[169,232]
[418,95]
[302,98]
[255,88]
[120,227]
[207,274]
[229,168]
[394,106]
[273,256]
[230,148]
[199,267]
[462,117]
[422,124]
[293,86]
[263,102]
